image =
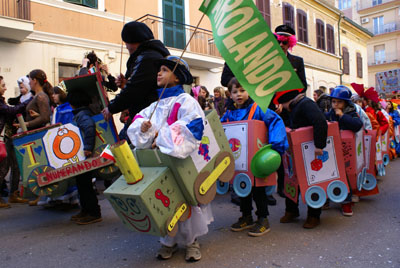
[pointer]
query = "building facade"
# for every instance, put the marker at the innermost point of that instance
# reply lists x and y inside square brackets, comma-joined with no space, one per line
[382,18]
[54,35]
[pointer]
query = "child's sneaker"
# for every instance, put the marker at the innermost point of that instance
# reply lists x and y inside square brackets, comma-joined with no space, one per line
[79,216]
[311,222]
[165,253]
[346,210]
[89,219]
[243,223]
[260,228]
[355,198]
[193,252]
[289,217]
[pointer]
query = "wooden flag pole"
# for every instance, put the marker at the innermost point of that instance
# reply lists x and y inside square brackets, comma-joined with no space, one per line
[122,42]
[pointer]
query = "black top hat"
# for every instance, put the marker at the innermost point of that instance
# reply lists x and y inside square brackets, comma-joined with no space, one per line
[285,30]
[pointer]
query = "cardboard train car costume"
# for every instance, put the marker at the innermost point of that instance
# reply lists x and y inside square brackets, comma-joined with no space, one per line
[50,157]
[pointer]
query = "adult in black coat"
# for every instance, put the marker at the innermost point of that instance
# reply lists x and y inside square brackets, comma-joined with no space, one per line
[139,85]
[287,40]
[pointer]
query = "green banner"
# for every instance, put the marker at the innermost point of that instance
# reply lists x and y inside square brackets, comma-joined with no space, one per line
[250,49]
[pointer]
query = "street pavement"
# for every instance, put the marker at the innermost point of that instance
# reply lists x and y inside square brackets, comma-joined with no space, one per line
[39,237]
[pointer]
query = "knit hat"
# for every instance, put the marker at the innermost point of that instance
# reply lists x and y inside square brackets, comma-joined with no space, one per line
[285,96]
[24,80]
[182,71]
[136,32]
[284,30]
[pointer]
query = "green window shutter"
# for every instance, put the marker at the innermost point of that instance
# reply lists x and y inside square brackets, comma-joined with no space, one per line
[74,1]
[90,3]
[87,3]
[174,31]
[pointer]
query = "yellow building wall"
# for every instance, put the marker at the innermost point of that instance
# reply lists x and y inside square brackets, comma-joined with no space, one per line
[66,22]
[356,42]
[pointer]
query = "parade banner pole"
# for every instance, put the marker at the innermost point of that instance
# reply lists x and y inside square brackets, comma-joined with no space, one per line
[176,65]
[122,42]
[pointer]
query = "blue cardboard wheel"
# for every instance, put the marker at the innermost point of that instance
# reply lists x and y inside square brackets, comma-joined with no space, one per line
[370,183]
[242,185]
[337,191]
[269,190]
[386,159]
[315,197]
[222,187]
[360,181]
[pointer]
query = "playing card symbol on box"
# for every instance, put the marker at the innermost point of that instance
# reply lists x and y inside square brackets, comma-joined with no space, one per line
[324,157]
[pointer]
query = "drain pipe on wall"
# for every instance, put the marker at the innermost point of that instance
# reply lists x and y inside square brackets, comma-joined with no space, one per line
[340,51]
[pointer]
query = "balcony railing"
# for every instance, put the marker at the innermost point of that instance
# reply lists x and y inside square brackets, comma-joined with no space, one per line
[391,57]
[371,3]
[387,28]
[174,34]
[19,9]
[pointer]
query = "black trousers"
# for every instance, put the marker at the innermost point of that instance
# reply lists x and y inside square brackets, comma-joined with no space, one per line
[260,198]
[87,195]
[294,208]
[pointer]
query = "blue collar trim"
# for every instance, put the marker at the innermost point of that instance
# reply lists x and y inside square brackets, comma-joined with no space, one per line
[171,91]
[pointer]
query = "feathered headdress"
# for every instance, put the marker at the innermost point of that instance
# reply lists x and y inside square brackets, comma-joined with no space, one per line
[370,93]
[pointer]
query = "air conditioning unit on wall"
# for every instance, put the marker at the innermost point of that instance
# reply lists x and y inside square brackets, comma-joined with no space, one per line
[364,20]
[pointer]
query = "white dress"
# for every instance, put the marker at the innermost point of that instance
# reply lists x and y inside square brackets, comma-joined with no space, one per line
[177,127]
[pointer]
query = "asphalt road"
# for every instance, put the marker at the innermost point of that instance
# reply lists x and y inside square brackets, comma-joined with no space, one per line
[38,237]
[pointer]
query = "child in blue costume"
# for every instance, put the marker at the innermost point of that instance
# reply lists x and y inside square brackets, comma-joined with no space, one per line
[344,112]
[244,108]
[176,128]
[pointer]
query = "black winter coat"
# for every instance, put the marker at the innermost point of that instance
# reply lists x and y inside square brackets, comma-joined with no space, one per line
[87,126]
[8,113]
[298,66]
[349,120]
[141,88]
[305,113]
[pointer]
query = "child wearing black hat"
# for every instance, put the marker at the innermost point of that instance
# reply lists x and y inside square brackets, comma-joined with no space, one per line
[176,128]
[303,112]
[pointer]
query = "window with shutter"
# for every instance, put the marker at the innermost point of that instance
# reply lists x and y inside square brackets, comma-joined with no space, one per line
[288,14]
[330,40]
[88,3]
[302,34]
[359,66]
[264,8]
[174,29]
[346,63]
[320,34]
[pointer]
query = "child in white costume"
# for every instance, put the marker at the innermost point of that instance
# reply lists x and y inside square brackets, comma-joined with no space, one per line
[176,128]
